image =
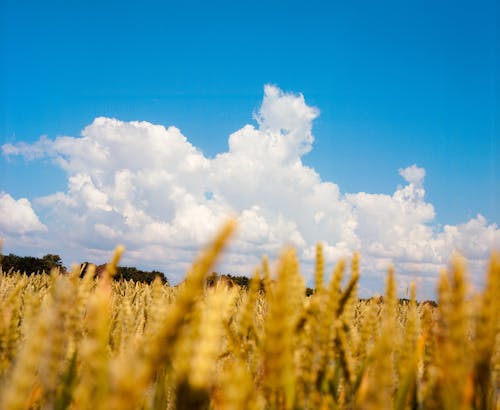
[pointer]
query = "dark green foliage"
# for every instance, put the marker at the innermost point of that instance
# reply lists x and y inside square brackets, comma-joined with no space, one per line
[53,261]
[136,275]
[30,264]
[128,273]
[241,281]
[233,280]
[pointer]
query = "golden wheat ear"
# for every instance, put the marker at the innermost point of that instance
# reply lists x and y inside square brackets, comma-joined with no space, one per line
[320,268]
[246,323]
[112,266]
[267,274]
[159,346]
[486,334]
[280,322]
[377,387]
[453,356]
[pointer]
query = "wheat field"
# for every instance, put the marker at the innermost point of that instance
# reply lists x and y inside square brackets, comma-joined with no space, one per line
[93,343]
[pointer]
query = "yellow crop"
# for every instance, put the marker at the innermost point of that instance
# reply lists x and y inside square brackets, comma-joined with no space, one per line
[95,343]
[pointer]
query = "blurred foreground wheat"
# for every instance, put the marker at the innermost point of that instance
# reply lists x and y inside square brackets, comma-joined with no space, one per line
[94,343]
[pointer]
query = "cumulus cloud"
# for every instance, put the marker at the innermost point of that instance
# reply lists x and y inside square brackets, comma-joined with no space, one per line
[147,186]
[17,216]
[288,120]
[413,175]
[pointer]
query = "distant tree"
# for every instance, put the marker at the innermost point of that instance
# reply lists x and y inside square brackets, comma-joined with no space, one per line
[136,275]
[53,261]
[240,281]
[30,264]
[127,273]
[83,268]
[212,279]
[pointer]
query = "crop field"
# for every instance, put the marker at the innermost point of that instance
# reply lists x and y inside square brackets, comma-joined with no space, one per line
[68,342]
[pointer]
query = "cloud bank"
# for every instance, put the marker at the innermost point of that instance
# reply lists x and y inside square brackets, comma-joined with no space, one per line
[148,187]
[18,217]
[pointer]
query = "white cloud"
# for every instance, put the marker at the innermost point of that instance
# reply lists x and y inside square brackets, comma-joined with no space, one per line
[29,151]
[413,174]
[17,216]
[287,121]
[147,186]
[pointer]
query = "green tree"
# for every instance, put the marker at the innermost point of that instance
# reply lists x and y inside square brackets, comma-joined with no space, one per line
[52,261]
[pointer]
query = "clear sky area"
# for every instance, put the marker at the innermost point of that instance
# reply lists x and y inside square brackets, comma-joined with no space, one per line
[365,125]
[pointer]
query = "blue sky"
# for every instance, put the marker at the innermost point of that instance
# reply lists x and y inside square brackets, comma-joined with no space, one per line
[396,83]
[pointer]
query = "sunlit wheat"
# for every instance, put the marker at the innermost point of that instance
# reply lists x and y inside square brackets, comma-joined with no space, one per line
[93,343]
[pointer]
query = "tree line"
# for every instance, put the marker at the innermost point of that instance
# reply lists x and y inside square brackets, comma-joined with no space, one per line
[31,265]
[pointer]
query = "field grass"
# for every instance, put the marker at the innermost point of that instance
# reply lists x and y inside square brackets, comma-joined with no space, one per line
[94,343]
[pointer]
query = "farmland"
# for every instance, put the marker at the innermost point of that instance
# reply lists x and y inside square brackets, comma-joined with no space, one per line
[68,342]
